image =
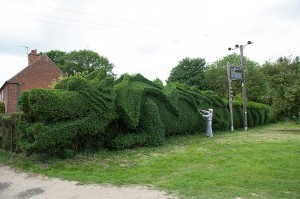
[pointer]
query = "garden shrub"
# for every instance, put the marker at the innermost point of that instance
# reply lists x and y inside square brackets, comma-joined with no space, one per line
[96,111]
[238,117]
[53,105]
[9,130]
[177,110]
[188,121]
[257,114]
[71,117]
[129,98]
[150,130]
[138,101]
[24,102]
[208,100]
[55,139]
[2,107]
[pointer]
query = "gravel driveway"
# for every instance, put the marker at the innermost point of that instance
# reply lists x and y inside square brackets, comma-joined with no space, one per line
[19,185]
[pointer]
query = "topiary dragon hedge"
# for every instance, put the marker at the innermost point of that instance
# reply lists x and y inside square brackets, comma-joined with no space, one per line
[96,111]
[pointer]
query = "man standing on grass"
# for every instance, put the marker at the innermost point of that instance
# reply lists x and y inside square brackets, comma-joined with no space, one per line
[208,114]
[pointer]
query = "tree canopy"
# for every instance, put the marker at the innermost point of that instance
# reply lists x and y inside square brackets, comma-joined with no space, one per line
[215,78]
[283,85]
[189,71]
[82,61]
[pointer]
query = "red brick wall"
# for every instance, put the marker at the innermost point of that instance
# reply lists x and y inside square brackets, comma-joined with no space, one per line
[33,55]
[10,96]
[40,74]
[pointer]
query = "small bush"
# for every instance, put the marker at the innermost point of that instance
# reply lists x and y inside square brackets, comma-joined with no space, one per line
[9,130]
[53,105]
[257,114]
[55,139]
[2,107]
[72,118]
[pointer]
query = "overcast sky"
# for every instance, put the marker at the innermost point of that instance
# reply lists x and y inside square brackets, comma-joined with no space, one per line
[147,36]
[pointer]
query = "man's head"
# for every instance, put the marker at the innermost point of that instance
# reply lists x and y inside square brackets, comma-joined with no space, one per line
[211,110]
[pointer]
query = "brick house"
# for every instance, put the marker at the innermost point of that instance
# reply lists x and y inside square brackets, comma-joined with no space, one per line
[40,73]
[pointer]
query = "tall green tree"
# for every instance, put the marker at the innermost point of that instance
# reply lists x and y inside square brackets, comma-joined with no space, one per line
[189,71]
[57,56]
[215,78]
[283,86]
[83,61]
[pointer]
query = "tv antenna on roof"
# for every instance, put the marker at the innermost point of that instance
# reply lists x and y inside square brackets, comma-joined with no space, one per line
[26,48]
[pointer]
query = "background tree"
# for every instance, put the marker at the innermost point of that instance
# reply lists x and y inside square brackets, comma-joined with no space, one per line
[283,86]
[82,61]
[158,82]
[57,57]
[215,78]
[189,71]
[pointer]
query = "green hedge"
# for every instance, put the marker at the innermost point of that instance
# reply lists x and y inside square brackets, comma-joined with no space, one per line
[139,115]
[174,110]
[53,105]
[9,130]
[60,138]
[2,107]
[150,130]
[206,100]
[257,114]
[98,94]
[71,117]
[131,111]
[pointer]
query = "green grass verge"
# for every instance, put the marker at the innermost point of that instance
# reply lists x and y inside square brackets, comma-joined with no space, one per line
[263,162]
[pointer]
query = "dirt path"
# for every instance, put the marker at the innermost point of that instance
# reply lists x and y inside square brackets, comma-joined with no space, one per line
[20,185]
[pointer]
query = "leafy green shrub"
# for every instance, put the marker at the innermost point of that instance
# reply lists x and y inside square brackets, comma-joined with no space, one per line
[55,139]
[189,121]
[177,111]
[257,114]
[9,130]
[208,100]
[53,105]
[150,130]
[24,102]
[2,107]
[238,117]
[68,119]
[97,111]
[139,114]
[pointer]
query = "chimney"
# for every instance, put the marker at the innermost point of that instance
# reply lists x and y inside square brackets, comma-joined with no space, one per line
[33,55]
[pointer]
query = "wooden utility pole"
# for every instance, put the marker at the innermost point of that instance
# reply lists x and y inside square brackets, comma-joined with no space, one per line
[230,96]
[244,93]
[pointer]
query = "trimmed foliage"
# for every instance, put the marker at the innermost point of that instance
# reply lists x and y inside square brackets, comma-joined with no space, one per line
[150,130]
[97,111]
[174,111]
[9,130]
[257,114]
[71,117]
[2,107]
[139,119]
[53,105]
[59,138]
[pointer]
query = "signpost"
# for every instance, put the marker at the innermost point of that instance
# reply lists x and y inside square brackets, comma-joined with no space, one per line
[238,73]
[230,94]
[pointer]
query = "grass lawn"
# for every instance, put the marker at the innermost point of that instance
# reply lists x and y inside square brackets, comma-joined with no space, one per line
[263,162]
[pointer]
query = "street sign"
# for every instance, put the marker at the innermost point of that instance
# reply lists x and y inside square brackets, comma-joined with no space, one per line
[236,73]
